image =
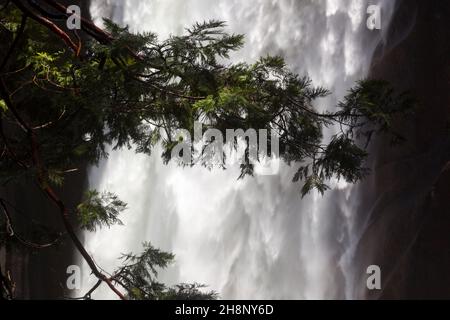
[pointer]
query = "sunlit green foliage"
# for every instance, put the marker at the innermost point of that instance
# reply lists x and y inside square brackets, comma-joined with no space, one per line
[98,210]
[136,91]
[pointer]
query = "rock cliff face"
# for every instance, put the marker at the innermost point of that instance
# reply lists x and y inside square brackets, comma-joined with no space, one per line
[406,200]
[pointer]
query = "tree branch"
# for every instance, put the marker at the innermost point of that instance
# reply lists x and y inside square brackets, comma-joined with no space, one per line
[87,26]
[12,233]
[51,194]
[6,286]
[47,23]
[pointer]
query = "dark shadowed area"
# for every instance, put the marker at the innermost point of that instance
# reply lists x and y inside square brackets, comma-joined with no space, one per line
[406,199]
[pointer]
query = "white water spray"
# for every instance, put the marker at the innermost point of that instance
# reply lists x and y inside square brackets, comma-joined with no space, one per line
[256,238]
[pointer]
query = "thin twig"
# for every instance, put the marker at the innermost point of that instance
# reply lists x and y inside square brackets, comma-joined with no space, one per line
[11,232]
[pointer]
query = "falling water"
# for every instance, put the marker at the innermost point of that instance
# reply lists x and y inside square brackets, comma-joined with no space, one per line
[254,238]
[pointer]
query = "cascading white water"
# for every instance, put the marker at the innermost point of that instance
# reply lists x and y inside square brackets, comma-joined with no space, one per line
[254,238]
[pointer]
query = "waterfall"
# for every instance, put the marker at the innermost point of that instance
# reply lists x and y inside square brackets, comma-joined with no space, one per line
[254,238]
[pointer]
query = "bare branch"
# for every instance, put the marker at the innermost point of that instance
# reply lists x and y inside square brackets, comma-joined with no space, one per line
[47,23]
[11,232]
